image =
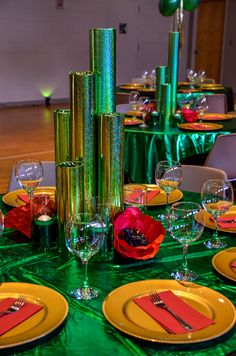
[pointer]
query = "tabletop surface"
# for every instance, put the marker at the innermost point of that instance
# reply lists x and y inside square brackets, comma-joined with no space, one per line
[86,331]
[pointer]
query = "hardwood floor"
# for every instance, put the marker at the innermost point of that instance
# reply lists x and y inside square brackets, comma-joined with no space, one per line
[25,132]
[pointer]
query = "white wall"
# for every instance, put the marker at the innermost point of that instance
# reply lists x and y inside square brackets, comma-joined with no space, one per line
[40,45]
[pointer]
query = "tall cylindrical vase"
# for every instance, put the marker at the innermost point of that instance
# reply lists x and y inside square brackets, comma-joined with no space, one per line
[173,65]
[165,110]
[103,63]
[161,72]
[111,159]
[83,128]
[62,135]
[70,195]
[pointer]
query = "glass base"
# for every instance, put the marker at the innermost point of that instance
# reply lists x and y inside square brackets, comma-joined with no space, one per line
[85,293]
[215,244]
[186,276]
[143,125]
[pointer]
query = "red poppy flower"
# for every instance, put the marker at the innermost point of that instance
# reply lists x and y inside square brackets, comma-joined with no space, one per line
[137,235]
[189,115]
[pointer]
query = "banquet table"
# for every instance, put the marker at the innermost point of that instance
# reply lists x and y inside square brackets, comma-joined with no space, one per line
[145,147]
[86,331]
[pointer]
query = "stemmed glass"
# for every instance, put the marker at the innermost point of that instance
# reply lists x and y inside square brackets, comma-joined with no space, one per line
[168,176]
[192,76]
[217,198]
[29,173]
[143,108]
[201,106]
[201,75]
[184,228]
[84,238]
[134,100]
[1,222]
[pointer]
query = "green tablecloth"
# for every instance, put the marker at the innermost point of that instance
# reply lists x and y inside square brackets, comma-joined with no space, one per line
[145,147]
[86,331]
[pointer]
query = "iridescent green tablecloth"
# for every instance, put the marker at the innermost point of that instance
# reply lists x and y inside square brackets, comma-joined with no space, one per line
[145,147]
[86,331]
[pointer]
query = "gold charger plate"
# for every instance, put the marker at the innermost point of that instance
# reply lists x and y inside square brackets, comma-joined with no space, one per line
[48,319]
[12,199]
[132,121]
[215,117]
[131,86]
[221,262]
[211,224]
[126,316]
[196,126]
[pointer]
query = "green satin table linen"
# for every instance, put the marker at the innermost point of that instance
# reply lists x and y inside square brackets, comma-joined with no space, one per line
[86,331]
[145,147]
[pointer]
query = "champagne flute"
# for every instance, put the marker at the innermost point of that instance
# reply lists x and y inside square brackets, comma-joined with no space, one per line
[201,106]
[29,173]
[143,108]
[84,238]
[168,176]
[217,198]
[184,228]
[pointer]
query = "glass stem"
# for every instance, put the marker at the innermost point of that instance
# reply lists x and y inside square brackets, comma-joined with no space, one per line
[215,235]
[85,281]
[167,203]
[185,257]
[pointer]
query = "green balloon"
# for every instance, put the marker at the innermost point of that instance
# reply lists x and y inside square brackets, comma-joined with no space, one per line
[190,5]
[168,7]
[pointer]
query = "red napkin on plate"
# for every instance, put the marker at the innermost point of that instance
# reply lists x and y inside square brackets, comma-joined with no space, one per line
[193,317]
[233,264]
[151,194]
[134,196]
[198,126]
[9,321]
[189,115]
[226,221]
[23,197]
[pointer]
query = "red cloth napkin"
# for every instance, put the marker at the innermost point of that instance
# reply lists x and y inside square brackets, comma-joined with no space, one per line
[226,221]
[189,115]
[9,321]
[198,126]
[233,264]
[23,197]
[151,194]
[197,320]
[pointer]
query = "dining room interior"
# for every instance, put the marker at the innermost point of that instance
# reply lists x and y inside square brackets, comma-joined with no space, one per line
[118,177]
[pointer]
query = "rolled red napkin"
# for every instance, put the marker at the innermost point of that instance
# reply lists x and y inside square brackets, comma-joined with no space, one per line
[226,221]
[233,264]
[9,321]
[193,317]
[189,115]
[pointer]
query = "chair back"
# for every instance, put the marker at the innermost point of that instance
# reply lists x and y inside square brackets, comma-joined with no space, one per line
[217,103]
[222,155]
[49,178]
[195,176]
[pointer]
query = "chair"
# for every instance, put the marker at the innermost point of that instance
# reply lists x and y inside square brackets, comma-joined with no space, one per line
[217,103]
[195,176]
[49,178]
[222,155]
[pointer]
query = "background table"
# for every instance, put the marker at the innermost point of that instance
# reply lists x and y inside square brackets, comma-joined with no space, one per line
[86,331]
[145,147]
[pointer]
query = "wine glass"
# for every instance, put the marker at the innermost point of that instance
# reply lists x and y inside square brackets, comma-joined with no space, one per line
[1,222]
[144,109]
[201,75]
[184,228]
[192,76]
[29,173]
[134,99]
[201,105]
[84,238]
[217,198]
[168,176]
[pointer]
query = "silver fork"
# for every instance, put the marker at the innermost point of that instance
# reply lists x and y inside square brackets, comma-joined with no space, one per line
[17,305]
[158,302]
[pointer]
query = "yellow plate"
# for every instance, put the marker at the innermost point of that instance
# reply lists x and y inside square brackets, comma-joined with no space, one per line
[48,319]
[222,260]
[125,315]
[12,199]
[215,117]
[211,224]
[131,86]
[196,126]
[160,199]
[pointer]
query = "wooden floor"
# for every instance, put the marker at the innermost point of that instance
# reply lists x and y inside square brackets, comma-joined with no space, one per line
[25,132]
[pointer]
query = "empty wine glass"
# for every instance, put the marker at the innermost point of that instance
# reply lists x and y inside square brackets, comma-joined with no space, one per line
[168,176]
[143,107]
[201,106]
[201,75]
[84,238]
[192,76]
[184,228]
[217,198]
[29,173]
[144,76]
[134,100]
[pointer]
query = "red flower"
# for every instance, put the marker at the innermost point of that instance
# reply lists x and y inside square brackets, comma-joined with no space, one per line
[189,115]
[132,227]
